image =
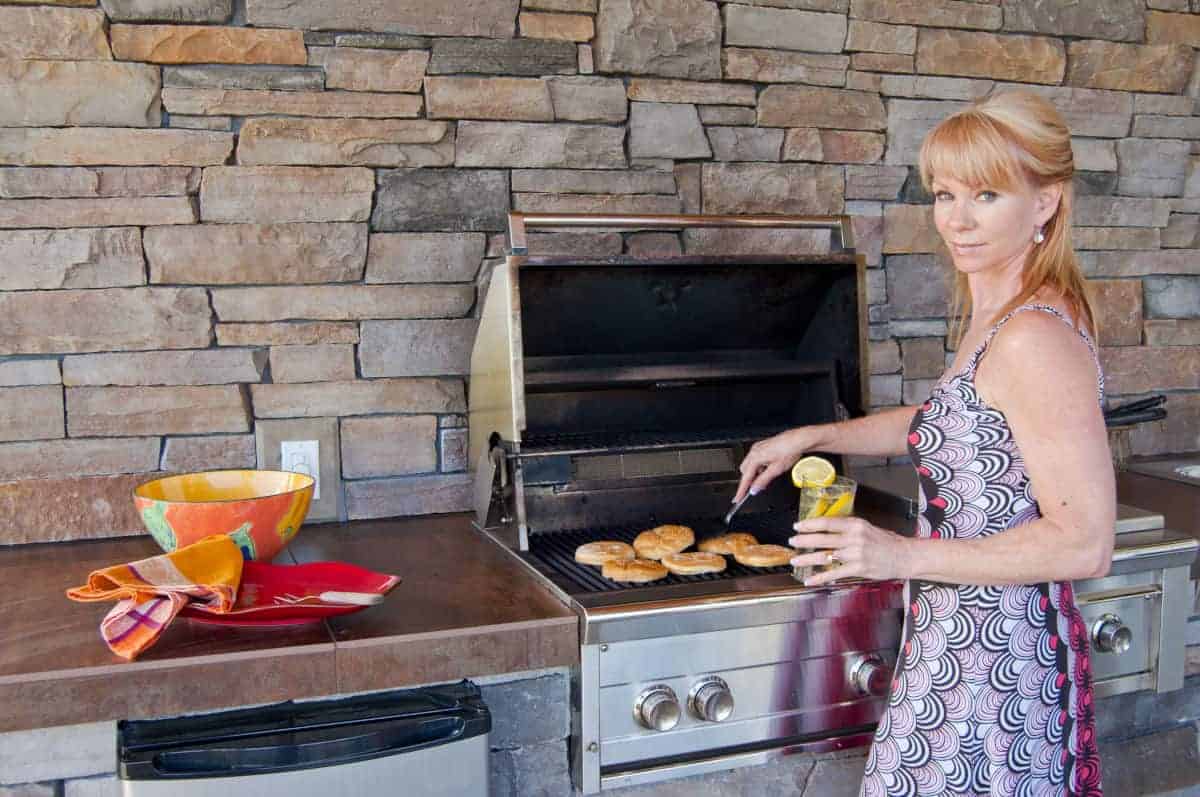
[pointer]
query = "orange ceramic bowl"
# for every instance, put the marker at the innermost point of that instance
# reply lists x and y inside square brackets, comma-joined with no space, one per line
[261,509]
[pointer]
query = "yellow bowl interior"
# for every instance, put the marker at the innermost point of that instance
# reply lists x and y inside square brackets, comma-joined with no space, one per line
[222,485]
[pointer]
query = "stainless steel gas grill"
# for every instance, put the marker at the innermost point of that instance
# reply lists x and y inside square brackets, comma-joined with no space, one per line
[610,395]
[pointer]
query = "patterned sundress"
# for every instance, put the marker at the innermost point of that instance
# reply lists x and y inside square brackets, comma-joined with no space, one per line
[992,693]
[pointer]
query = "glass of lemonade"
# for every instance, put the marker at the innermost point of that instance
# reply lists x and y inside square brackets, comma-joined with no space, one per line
[816,500]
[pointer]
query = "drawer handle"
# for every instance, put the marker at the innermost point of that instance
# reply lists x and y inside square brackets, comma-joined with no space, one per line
[1111,635]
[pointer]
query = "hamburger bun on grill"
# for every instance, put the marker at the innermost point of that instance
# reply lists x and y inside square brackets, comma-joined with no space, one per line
[763,555]
[727,544]
[662,540]
[597,553]
[637,571]
[694,563]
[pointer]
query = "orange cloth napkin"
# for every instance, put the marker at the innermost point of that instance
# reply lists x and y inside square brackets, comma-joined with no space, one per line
[151,592]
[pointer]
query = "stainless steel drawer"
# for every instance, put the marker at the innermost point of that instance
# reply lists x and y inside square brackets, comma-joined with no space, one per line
[1124,628]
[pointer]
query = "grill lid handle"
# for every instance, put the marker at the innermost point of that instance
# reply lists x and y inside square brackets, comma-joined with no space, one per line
[518,223]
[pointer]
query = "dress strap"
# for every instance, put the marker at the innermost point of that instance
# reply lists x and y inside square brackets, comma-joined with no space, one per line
[1054,311]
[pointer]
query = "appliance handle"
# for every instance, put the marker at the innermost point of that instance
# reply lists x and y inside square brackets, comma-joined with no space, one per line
[282,753]
[1134,418]
[518,223]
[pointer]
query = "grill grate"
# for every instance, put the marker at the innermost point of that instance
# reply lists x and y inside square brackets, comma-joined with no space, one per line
[554,552]
[558,443]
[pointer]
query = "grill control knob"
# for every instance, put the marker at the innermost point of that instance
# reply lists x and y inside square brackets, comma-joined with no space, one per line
[1111,635]
[657,708]
[711,700]
[870,675]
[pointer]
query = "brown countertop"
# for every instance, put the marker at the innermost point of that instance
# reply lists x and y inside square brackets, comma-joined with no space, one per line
[464,608]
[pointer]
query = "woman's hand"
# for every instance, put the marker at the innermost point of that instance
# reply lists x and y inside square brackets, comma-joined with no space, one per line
[862,549]
[768,458]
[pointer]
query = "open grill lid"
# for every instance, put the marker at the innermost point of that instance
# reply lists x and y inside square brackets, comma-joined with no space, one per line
[609,390]
[614,347]
[623,345]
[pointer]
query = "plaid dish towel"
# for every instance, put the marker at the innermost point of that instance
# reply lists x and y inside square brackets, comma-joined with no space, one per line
[151,592]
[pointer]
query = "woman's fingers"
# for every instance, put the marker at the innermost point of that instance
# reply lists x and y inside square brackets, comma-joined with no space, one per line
[748,478]
[832,574]
[838,525]
[756,475]
[750,470]
[815,559]
[765,460]
[766,476]
[847,566]
[817,540]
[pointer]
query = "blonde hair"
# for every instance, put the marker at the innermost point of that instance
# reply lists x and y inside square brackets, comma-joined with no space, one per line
[999,142]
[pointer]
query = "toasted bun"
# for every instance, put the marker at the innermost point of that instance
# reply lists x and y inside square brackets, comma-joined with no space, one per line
[662,540]
[763,555]
[694,563]
[727,544]
[597,553]
[634,570]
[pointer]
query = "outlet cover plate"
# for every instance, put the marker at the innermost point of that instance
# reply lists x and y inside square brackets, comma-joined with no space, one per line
[303,456]
[269,434]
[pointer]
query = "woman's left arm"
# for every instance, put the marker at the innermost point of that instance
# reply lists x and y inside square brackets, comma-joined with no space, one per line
[1041,375]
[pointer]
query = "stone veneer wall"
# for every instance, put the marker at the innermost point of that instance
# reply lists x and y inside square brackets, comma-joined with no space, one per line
[225,223]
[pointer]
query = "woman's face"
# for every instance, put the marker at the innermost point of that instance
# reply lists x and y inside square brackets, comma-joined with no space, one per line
[987,228]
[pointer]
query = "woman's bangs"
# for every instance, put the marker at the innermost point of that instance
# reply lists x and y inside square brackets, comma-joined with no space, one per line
[969,148]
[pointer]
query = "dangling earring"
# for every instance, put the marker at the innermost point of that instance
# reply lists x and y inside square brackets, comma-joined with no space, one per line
[1038,236]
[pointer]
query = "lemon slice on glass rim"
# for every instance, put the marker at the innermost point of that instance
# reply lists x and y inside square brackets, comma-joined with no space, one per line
[815,471]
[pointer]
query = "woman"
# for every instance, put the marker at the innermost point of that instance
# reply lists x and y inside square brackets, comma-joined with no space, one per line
[992,692]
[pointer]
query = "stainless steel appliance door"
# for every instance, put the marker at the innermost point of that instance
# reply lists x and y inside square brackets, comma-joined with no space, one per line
[1116,652]
[451,770]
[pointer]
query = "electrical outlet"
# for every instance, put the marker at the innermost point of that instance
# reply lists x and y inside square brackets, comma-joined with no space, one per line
[270,434]
[303,456]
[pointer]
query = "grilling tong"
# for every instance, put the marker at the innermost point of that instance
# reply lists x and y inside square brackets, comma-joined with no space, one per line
[729,515]
[1135,412]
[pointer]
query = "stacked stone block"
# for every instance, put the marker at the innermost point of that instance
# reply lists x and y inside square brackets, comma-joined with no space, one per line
[223,225]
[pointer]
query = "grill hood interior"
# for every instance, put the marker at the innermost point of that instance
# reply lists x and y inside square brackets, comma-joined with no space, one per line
[689,343]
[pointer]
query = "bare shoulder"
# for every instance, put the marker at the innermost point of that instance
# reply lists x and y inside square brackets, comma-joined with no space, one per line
[1037,351]
[1038,335]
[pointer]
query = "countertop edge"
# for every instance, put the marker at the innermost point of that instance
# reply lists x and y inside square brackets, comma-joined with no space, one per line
[54,695]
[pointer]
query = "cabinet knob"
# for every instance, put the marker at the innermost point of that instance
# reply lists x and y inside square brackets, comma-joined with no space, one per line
[871,675]
[1111,635]
[711,700]
[657,708]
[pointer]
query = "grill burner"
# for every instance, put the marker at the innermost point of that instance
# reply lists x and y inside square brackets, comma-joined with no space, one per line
[555,552]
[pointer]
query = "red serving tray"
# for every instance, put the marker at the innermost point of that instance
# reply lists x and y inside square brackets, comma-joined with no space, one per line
[262,583]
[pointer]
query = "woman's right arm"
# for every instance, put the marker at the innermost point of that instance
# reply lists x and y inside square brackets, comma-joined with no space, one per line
[884,433]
